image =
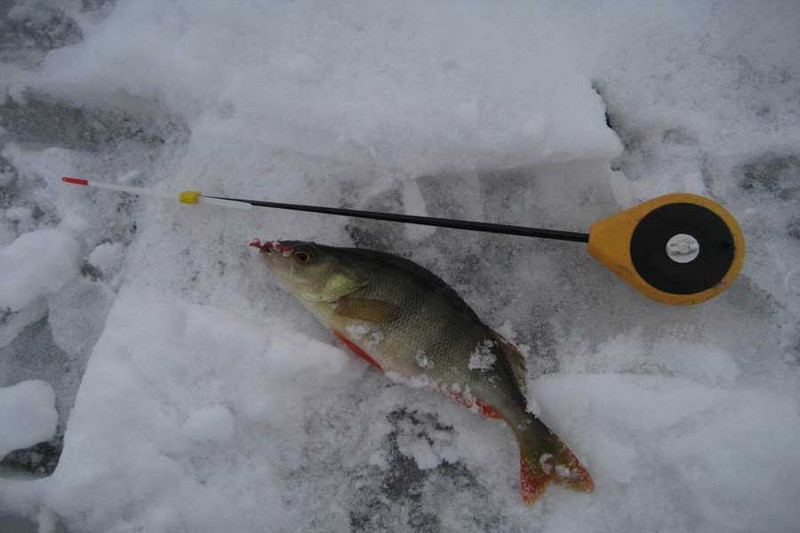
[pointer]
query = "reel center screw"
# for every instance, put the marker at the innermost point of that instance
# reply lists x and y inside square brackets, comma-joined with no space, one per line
[683,248]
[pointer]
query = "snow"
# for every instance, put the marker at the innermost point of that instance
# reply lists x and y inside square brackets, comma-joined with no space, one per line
[482,357]
[422,360]
[27,415]
[194,394]
[107,257]
[211,424]
[200,439]
[36,264]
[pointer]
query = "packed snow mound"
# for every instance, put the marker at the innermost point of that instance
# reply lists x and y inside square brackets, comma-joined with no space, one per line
[357,78]
[36,264]
[27,415]
[203,412]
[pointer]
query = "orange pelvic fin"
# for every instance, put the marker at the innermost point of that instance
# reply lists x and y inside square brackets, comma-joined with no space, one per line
[357,350]
[483,408]
[487,410]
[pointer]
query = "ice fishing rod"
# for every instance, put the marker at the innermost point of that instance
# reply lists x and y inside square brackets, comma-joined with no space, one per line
[677,249]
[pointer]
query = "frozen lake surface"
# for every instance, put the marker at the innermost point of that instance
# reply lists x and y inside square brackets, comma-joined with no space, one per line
[153,377]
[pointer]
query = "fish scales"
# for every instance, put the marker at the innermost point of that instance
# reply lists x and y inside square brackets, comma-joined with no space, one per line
[431,319]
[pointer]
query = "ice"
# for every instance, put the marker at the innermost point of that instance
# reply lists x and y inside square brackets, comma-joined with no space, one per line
[206,398]
[27,415]
[20,216]
[77,314]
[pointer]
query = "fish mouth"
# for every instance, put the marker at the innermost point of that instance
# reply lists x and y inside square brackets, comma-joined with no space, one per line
[270,246]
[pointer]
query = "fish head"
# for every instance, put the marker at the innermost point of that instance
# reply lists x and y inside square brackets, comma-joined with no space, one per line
[311,272]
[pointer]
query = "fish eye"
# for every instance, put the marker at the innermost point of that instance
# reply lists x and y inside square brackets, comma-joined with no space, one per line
[302,257]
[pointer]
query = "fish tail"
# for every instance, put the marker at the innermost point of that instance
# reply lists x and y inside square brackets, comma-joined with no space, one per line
[545,458]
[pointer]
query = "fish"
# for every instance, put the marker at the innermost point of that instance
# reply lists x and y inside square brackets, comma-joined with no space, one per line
[406,321]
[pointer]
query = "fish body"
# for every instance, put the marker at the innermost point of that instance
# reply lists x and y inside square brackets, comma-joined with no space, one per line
[403,319]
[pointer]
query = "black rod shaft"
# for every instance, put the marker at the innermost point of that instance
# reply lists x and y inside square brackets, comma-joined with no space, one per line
[424,221]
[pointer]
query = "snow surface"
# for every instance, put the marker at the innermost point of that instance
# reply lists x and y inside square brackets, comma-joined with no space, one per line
[36,264]
[27,415]
[194,395]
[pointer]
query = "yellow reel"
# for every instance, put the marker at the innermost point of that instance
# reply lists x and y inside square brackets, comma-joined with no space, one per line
[678,249]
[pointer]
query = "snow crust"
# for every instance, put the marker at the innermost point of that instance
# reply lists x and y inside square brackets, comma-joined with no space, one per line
[194,394]
[191,421]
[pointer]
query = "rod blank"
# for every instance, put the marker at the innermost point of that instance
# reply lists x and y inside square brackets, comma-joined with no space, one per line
[195,197]
[487,227]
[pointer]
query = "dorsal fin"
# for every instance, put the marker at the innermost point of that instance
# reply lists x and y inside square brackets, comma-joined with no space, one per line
[515,360]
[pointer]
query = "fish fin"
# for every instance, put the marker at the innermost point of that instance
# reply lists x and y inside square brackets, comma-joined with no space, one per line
[483,408]
[532,480]
[516,360]
[574,475]
[357,349]
[488,411]
[376,311]
[337,287]
[545,458]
